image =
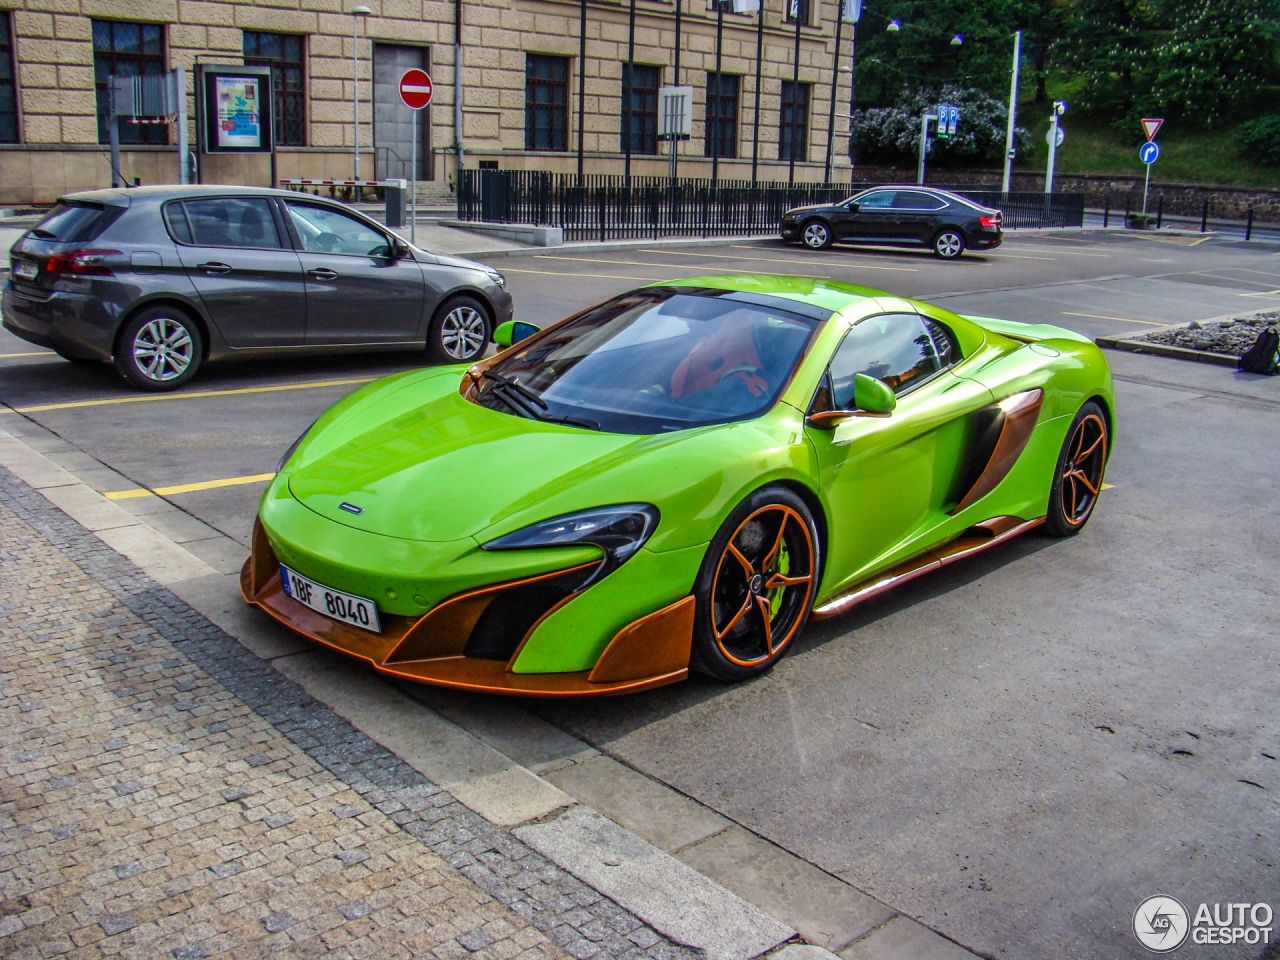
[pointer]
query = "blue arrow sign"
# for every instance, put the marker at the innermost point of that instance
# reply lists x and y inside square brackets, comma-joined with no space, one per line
[1149,152]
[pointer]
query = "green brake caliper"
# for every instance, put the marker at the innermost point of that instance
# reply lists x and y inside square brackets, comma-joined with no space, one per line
[784,568]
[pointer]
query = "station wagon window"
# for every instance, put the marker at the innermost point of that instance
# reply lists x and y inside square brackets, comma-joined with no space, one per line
[897,348]
[228,222]
[915,200]
[322,230]
[880,200]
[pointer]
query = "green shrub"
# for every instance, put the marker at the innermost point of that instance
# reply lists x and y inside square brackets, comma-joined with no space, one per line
[1260,139]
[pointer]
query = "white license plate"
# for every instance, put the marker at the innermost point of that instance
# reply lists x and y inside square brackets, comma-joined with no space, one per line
[344,607]
[25,269]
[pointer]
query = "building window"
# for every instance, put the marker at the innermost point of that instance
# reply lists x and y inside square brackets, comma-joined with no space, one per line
[8,82]
[284,53]
[640,115]
[799,8]
[793,130]
[123,49]
[546,102]
[722,116]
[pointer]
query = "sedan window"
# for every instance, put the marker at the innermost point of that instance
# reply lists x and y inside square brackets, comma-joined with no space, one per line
[894,347]
[880,200]
[915,200]
[230,222]
[322,230]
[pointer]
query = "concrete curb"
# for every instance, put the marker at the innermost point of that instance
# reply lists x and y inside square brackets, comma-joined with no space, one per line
[1133,343]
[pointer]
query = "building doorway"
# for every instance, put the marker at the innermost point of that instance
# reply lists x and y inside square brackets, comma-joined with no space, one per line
[393,121]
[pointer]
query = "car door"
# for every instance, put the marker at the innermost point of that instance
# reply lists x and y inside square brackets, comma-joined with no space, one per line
[358,291]
[874,220]
[889,480]
[918,215]
[249,280]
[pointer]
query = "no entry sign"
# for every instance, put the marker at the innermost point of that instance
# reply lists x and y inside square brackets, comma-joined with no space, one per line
[415,89]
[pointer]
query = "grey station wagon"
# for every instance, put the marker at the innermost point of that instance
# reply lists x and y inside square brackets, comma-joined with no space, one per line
[160,279]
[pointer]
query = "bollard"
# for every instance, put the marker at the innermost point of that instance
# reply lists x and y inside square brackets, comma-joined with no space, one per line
[1160,211]
[1248,224]
[395,198]
[1128,202]
[1204,216]
[1106,210]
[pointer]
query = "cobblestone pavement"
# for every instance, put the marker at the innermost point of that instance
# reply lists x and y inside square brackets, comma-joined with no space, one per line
[166,793]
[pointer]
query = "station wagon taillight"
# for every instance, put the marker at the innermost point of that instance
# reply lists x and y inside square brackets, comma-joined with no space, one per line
[990,222]
[83,263]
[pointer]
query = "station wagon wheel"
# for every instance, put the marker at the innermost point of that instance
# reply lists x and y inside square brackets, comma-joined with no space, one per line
[159,349]
[1077,480]
[949,243]
[756,586]
[460,331]
[816,235]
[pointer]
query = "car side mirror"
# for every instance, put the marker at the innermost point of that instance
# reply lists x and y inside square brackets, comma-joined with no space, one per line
[399,249]
[871,398]
[853,207]
[513,331]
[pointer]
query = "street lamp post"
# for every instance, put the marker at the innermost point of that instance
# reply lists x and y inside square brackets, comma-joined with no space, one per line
[357,14]
[1013,112]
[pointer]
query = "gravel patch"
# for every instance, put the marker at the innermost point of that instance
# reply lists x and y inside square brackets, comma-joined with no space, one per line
[1233,336]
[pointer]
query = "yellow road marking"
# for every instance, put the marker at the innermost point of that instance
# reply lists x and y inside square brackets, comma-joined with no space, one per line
[805,260]
[1098,316]
[33,353]
[1200,241]
[190,395]
[629,263]
[187,487]
[583,276]
[844,255]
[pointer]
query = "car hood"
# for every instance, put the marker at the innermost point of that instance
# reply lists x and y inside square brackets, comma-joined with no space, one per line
[811,208]
[418,461]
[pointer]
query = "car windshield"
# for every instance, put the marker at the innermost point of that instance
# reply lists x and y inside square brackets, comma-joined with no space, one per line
[657,360]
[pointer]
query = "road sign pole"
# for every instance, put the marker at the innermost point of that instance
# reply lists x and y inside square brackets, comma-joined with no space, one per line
[1053,151]
[413,180]
[1146,186]
[924,144]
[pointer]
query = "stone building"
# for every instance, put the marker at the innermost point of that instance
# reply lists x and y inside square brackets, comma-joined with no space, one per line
[519,83]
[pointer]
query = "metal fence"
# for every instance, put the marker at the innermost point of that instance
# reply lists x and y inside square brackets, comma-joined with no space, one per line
[606,207]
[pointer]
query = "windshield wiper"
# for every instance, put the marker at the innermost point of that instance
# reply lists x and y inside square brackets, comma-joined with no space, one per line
[515,386]
[573,421]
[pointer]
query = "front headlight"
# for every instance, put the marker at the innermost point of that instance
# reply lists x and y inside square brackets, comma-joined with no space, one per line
[619,531]
[496,277]
[294,446]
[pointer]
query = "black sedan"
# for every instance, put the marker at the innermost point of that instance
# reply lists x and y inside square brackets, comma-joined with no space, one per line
[898,217]
[160,279]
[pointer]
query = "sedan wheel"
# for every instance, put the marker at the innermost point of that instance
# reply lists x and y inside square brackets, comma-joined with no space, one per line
[817,235]
[159,349]
[1078,479]
[460,332]
[756,586]
[948,244]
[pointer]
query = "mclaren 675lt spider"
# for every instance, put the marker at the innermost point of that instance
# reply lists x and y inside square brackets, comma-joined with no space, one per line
[674,479]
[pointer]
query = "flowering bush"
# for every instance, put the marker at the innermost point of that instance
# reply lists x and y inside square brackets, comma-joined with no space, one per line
[892,134]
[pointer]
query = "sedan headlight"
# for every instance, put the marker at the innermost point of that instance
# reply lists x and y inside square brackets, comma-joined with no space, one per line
[619,531]
[495,276]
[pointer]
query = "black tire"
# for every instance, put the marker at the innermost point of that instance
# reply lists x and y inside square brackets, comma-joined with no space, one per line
[159,348]
[948,243]
[1077,476]
[816,234]
[460,331]
[742,627]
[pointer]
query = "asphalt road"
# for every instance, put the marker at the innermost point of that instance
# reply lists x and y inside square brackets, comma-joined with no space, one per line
[1014,751]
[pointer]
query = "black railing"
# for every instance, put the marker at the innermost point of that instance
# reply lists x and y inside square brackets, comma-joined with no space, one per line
[606,207]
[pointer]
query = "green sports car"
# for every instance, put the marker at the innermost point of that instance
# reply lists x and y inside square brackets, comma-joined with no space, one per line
[674,479]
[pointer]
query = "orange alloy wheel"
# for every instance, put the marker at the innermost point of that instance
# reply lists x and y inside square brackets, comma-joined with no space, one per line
[762,587]
[1082,472]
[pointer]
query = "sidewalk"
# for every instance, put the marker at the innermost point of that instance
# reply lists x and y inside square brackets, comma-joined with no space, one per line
[168,793]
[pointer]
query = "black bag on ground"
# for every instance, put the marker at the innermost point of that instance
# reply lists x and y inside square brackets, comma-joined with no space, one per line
[1261,357]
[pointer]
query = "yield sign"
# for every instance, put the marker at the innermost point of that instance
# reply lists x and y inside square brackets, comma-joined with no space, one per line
[415,89]
[1150,125]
